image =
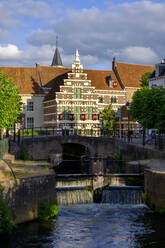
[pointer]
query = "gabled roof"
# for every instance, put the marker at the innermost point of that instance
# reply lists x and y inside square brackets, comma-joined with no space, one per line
[26,78]
[98,79]
[130,74]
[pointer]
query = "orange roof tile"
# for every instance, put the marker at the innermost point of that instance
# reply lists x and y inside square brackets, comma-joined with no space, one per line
[130,74]
[27,80]
[99,79]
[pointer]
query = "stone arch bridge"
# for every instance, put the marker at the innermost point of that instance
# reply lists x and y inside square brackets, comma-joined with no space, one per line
[40,147]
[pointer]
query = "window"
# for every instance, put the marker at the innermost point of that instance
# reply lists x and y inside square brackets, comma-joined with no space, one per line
[111,83]
[100,99]
[89,113]
[113,99]
[77,112]
[30,106]
[77,93]
[30,122]
[65,112]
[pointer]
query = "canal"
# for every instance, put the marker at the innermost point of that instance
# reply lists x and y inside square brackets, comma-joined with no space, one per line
[92,226]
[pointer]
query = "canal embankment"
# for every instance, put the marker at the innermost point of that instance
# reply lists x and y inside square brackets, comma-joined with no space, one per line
[26,187]
[154,195]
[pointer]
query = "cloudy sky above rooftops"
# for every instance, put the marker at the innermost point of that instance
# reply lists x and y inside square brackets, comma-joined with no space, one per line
[132,31]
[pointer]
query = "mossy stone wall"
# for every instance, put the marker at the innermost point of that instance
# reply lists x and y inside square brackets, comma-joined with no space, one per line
[24,195]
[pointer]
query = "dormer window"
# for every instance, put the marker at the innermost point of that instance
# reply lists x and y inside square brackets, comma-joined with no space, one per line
[110,81]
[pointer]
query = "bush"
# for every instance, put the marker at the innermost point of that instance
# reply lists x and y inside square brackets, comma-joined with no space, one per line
[46,211]
[24,154]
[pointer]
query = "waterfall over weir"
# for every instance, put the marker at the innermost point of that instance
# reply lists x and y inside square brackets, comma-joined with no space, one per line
[109,194]
[73,195]
[122,195]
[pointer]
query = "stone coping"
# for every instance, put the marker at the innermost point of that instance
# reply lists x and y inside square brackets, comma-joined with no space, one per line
[156,166]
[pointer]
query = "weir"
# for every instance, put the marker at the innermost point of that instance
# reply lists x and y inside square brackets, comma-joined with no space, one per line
[72,189]
[73,195]
[122,195]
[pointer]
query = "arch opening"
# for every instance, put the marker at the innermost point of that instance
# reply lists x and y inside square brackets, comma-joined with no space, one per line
[72,154]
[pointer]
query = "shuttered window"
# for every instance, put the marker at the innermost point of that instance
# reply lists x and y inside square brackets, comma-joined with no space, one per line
[89,113]
[77,93]
[65,113]
[77,112]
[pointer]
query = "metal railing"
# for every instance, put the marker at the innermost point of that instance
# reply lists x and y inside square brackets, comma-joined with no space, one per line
[156,141]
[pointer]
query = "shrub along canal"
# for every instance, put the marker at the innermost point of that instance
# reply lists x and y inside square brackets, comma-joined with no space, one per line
[94,226]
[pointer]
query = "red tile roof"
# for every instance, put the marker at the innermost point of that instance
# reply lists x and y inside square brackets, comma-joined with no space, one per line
[27,80]
[130,74]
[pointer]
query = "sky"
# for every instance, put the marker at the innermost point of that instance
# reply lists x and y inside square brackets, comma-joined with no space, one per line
[132,31]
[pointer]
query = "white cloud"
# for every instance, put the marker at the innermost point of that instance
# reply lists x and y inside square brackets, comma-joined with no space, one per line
[143,54]
[134,53]
[10,52]
[132,31]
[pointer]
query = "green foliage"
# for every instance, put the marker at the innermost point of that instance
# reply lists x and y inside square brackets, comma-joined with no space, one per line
[24,154]
[46,211]
[148,107]
[144,79]
[6,224]
[108,119]
[10,102]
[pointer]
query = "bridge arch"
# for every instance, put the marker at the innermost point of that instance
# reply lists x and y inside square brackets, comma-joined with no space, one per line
[72,159]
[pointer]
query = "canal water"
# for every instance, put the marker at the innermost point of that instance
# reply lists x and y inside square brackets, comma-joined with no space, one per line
[93,226]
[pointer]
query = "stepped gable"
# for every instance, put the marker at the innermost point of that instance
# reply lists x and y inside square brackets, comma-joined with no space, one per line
[98,80]
[130,74]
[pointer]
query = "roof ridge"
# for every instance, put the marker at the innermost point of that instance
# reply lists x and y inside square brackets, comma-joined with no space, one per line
[134,64]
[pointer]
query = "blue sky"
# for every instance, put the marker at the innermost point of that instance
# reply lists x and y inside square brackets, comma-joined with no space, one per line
[132,31]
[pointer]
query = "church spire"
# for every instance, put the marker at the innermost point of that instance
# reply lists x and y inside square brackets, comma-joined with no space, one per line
[57,58]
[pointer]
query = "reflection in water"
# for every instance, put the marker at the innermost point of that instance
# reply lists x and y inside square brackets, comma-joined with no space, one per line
[93,226]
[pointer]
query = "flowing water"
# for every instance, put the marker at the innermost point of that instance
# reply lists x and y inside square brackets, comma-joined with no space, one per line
[122,195]
[73,195]
[93,226]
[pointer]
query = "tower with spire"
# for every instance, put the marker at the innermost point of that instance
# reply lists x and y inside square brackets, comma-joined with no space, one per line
[57,61]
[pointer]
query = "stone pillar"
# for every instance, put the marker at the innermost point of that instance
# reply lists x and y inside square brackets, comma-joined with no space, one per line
[97,170]
[56,157]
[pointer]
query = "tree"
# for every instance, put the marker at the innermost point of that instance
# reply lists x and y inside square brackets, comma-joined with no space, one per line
[108,119]
[144,79]
[148,108]
[10,102]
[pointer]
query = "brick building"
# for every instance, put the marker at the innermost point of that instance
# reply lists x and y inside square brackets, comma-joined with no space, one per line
[72,98]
